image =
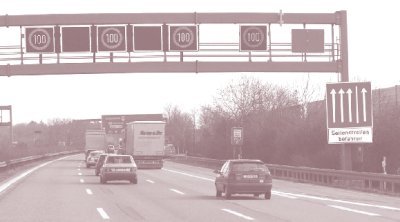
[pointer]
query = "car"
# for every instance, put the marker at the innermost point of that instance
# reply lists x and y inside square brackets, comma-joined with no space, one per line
[119,167]
[243,176]
[110,148]
[93,157]
[100,163]
[87,153]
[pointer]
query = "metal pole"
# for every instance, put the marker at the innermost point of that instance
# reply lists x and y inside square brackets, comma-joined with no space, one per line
[344,77]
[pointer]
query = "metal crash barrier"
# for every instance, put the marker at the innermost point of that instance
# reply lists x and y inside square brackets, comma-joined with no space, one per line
[368,182]
[20,161]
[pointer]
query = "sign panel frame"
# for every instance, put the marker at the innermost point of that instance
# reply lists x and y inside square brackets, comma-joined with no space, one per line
[148,50]
[237,136]
[245,46]
[349,112]
[63,39]
[48,33]
[174,46]
[102,45]
[308,40]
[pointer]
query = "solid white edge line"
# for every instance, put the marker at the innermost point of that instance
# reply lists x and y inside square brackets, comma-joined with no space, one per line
[277,193]
[102,213]
[237,214]
[190,175]
[354,211]
[89,191]
[9,183]
[340,201]
[81,180]
[292,195]
[177,191]
[150,181]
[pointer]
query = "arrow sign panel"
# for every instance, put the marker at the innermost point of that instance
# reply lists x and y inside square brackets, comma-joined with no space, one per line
[341,108]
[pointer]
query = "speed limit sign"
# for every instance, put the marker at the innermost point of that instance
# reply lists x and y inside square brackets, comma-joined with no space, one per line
[253,38]
[183,38]
[39,40]
[111,38]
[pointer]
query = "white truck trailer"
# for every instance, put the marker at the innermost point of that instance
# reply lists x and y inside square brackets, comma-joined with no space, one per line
[145,141]
[95,140]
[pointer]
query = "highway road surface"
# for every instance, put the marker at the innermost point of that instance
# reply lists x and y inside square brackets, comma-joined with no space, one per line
[65,190]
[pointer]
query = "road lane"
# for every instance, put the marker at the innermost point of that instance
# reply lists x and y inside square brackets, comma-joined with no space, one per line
[56,192]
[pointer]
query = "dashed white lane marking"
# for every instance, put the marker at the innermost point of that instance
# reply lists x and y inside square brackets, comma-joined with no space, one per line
[150,181]
[190,175]
[80,174]
[81,180]
[79,169]
[24,174]
[177,191]
[354,211]
[237,214]
[89,192]
[103,214]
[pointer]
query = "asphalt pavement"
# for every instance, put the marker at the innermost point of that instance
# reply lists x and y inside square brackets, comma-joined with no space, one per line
[65,190]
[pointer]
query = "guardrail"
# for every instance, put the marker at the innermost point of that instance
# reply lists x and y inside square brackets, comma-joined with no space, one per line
[20,161]
[368,182]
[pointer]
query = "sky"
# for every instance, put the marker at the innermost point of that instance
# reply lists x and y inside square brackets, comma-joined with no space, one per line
[373,38]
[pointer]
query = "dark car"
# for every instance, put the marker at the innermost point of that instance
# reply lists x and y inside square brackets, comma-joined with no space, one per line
[100,163]
[243,176]
[118,167]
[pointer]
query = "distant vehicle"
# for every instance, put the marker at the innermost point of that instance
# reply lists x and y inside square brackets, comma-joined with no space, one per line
[110,148]
[87,153]
[169,150]
[243,176]
[95,140]
[100,163]
[118,167]
[93,157]
[145,142]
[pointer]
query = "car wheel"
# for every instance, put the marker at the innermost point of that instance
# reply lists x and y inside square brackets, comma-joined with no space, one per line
[134,181]
[268,195]
[218,193]
[102,180]
[227,193]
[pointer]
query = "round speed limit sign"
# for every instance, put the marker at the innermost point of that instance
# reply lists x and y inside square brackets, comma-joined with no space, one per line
[183,38]
[39,40]
[253,38]
[111,38]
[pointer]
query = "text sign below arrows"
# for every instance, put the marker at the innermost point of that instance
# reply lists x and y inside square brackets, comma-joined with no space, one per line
[349,104]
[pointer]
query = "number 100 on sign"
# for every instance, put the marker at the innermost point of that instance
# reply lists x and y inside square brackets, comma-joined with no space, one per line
[39,40]
[253,38]
[183,38]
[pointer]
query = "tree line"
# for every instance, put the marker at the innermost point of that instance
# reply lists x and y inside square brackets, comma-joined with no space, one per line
[280,126]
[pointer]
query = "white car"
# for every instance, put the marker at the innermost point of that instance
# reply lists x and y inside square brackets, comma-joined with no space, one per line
[93,158]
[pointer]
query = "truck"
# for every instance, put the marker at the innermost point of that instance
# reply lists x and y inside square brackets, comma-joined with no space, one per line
[145,141]
[94,140]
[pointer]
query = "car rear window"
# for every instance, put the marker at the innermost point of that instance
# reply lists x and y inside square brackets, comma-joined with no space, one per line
[119,159]
[241,167]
